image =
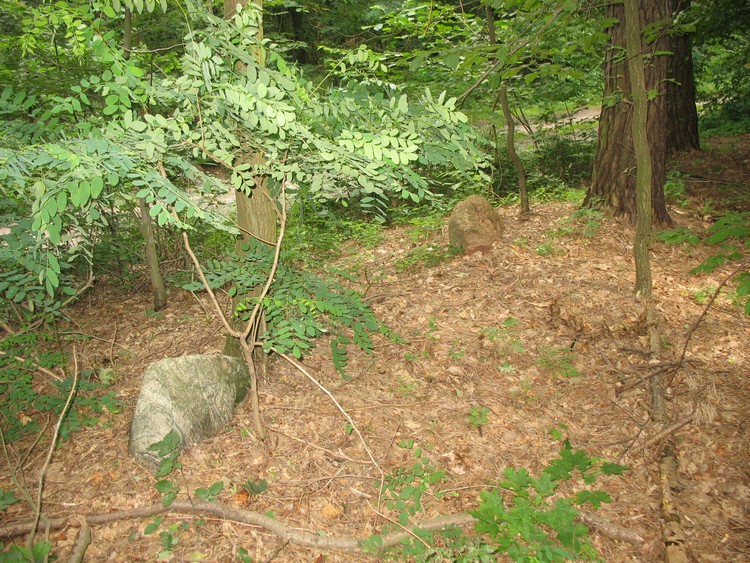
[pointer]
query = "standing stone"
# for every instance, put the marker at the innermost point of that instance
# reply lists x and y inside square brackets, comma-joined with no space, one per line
[474,225]
[193,395]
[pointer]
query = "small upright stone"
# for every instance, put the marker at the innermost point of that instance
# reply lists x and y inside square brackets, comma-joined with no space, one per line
[474,225]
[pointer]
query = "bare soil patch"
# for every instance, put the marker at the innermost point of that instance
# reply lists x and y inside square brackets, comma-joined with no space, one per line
[562,288]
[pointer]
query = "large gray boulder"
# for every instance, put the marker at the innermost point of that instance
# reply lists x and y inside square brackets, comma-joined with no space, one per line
[193,395]
[474,225]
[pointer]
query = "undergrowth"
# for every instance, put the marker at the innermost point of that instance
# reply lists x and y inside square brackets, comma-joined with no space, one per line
[27,395]
[300,306]
[522,517]
[730,234]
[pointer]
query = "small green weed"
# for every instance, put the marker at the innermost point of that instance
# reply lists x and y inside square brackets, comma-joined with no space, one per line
[679,235]
[404,489]
[456,354]
[367,233]
[425,256]
[7,498]
[559,360]
[255,487]
[701,296]
[528,526]
[505,335]
[675,190]
[406,386]
[26,398]
[168,451]
[547,248]
[416,356]
[423,228]
[39,552]
[210,494]
[583,223]
[732,233]
[478,416]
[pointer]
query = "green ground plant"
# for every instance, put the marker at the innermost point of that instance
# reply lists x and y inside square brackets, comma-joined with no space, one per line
[26,398]
[478,417]
[425,256]
[583,223]
[404,488]
[523,518]
[506,337]
[731,234]
[559,361]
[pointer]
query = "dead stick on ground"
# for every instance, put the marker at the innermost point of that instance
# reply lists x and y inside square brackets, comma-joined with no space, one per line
[670,429]
[55,434]
[336,455]
[82,544]
[293,535]
[341,409]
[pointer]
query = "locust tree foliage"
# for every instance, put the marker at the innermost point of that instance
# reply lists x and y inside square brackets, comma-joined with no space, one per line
[70,162]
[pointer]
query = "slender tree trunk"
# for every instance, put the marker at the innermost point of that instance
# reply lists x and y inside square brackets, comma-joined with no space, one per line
[152,256]
[256,214]
[639,128]
[682,115]
[522,191]
[509,123]
[145,223]
[613,183]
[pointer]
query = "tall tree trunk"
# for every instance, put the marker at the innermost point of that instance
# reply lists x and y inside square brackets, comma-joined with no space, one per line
[256,212]
[515,159]
[145,224]
[682,115]
[639,133]
[613,183]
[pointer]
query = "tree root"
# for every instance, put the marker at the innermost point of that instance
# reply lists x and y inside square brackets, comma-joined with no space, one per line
[296,536]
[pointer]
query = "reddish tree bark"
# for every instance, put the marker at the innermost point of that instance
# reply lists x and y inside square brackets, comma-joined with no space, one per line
[614,178]
[682,115]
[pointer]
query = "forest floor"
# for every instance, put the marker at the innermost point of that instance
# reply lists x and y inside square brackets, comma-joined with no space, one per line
[540,332]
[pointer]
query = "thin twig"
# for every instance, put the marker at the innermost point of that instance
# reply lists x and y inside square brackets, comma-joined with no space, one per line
[55,434]
[725,281]
[336,455]
[670,429]
[341,409]
[396,523]
[45,371]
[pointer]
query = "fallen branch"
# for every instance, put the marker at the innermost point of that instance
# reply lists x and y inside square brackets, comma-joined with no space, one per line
[293,535]
[51,451]
[82,544]
[670,430]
